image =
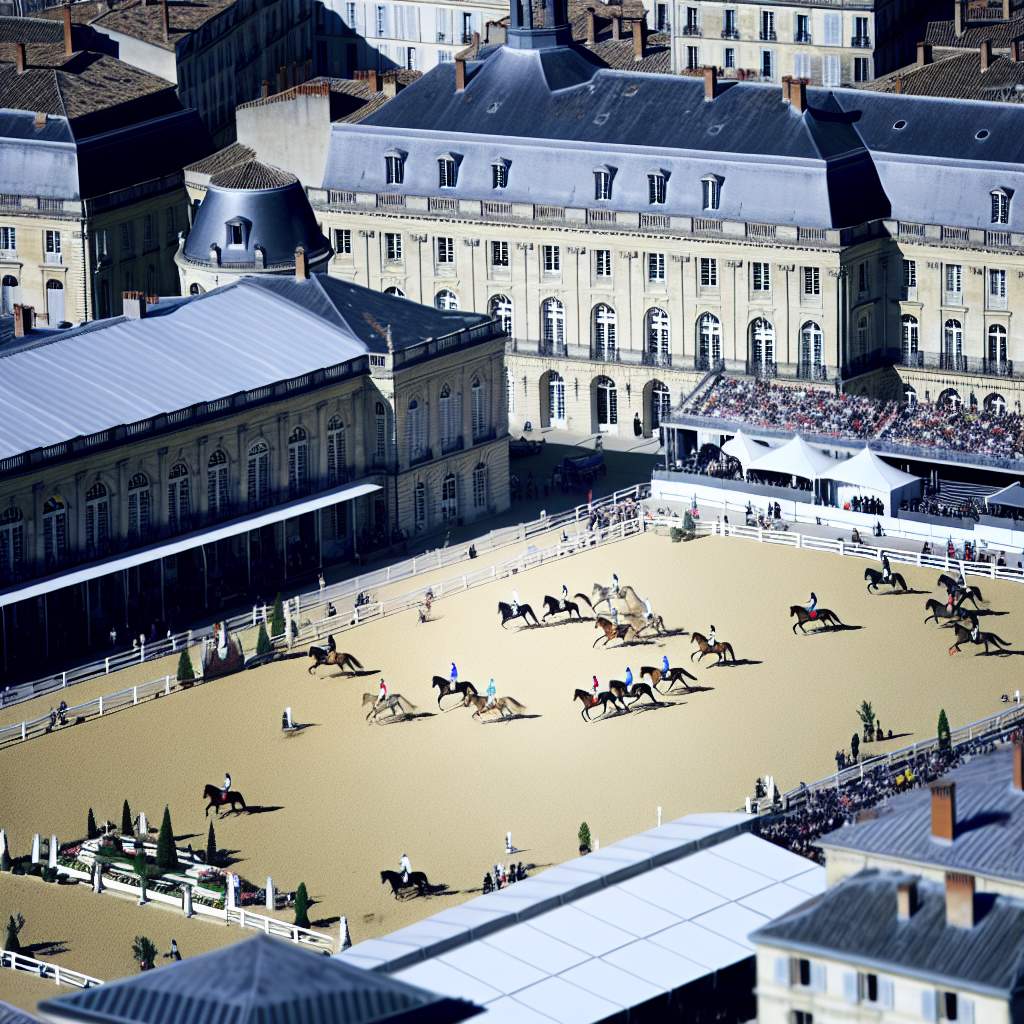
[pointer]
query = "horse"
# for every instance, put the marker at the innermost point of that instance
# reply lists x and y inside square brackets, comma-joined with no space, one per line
[394,700]
[974,593]
[940,610]
[218,798]
[612,631]
[604,698]
[875,580]
[323,656]
[618,687]
[634,602]
[525,613]
[721,648]
[443,687]
[676,674]
[655,622]
[963,636]
[825,616]
[600,594]
[417,880]
[554,606]
[501,705]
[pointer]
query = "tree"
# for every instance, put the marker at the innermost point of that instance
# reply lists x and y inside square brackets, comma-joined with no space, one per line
[5,860]
[867,717]
[144,952]
[263,644]
[186,674]
[942,731]
[139,866]
[127,827]
[166,853]
[14,925]
[302,906]
[854,746]
[90,826]
[277,618]
[584,837]
[211,846]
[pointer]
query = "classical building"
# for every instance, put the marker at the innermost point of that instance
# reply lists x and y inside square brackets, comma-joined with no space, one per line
[91,188]
[184,454]
[826,43]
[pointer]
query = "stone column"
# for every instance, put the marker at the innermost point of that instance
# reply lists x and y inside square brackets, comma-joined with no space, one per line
[271,898]
[35,848]
[186,900]
[346,939]
[229,893]
[51,854]
[97,877]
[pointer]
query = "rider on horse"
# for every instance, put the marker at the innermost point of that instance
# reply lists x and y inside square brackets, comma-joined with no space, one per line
[812,605]
[596,687]
[886,570]
[382,692]
[492,693]
[565,596]
[331,646]
[975,631]
[615,584]
[648,611]
[226,787]
[515,603]
[405,867]
[711,636]
[629,679]
[454,678]
[664,665]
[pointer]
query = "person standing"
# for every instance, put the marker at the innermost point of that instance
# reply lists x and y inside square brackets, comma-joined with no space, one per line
[405,867]
[321,582]
[173,953]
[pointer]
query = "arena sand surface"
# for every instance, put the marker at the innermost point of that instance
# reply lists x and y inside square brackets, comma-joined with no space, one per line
[345,799]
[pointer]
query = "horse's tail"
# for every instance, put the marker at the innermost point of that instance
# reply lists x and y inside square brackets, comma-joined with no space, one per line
[354,661]
[996,638]
[241,800]
[583,597]
[727,649]
[404,701]
[515,703]
[977,591]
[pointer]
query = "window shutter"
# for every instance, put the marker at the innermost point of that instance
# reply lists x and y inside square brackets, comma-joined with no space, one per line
[965,1010]
[885,993]
[818,977]
[833,29]
[929,1008]
[782,973]
[850,986]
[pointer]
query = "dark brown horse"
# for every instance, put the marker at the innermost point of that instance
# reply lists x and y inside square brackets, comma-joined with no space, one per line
[676,674]
[612,631]
[940,610]
[602,699]
[825,616]
[875,580]
[963,636]
[554,606]
[443,687]
[722,649]
[638,690]
[218,798]
[525,613]
[323,656]
[417,880]
[973,593]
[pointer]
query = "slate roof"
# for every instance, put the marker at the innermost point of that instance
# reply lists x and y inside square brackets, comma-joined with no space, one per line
[990,817]
[145,21]
[958,76]
[1000,34]
[259,981]
[30,30]
[12,1015]
[252,175]
[222,159]
[857,921]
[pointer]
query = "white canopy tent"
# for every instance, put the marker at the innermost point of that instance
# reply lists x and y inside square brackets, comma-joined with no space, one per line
[795,458]
[1008,497]
[868,475]
[744,449]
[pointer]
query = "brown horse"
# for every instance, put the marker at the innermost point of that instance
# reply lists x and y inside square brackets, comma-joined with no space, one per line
[393,701]
[721,648]
[444,688]
[940,610]
[611,631]
[618,687]
[501,705]
[825,616]
[323,656]
[604,698]
[676,674]
[876,579]
[963,636]
[218,798]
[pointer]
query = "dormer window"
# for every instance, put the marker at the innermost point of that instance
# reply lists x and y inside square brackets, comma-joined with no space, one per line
[394,168]
[235,234]
[447,171]
[499,174]
[711,186]
[1000,206]
[602,183]
[657,183]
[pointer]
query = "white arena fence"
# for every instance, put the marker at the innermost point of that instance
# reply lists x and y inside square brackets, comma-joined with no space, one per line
[310,632]
[430,561]
[43,969]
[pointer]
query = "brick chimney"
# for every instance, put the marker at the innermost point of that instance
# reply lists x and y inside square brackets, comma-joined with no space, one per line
[133,305]
[616,26]
[897,85]
[1006,10]
[1018,766]
[944,811]
[301,265]
[710,84]
[389,86]
[986,54]
[798,95]
[20,58]
[906,899]
[460,74]
[373,80]
[591,25]
[1017,50]
[639,38]
[959,900]
[958,18]
[24,317]
[165,20]
[924,54]
[69,48]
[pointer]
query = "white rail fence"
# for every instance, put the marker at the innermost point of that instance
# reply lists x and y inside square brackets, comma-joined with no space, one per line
[43,969]
[430,561]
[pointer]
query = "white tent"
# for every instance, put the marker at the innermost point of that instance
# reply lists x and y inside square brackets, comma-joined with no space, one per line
[744,449]
[1009,497]
[795,458]
[867,474]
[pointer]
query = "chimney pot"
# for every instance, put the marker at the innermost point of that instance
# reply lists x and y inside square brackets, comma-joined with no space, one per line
[798,95]
[23,320]
[958,18]
[616,26]
[639,39]
[924,54]
[69,49]
[959,900]
[906,899]
[133,305]
[389,85]
[301,265]
[460,74]
[1015,50]
[165,19]
[591,25]
[20,58]
[710,84]
[986,54]
[944,811]
[373,80]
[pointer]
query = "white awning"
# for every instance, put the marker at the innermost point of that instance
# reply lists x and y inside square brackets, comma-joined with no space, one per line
[744,449]
[1009,497]
[867,470]
[186,542]
[796,457]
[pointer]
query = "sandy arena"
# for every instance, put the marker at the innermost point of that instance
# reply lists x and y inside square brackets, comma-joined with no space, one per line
[345,799]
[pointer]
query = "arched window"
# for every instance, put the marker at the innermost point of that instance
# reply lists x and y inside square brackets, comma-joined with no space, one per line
[762,347]
[337,471]
[446,299]
[12,543]
[952,345]
[661,403]
[1000,206]
[55,530]
[811,350]
[997,349]
[909,339]
[552,314]
[480,486]
[862,335]
[711,192]
[500,308]
[419,506]
[995,404]
[950,399]
[603,332]
[54,302]
[97,516]
[450,408]
[449,498]
[416,431]
[139,505]
[396,291]
[607,397]
[510,392]
[709,336]
[478,408]
[258,474]
[447,172]
[380,432]
[217,494]
[179,501]
[8,293]
[298,461]
[657,332]
[195,289]
[556,399]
